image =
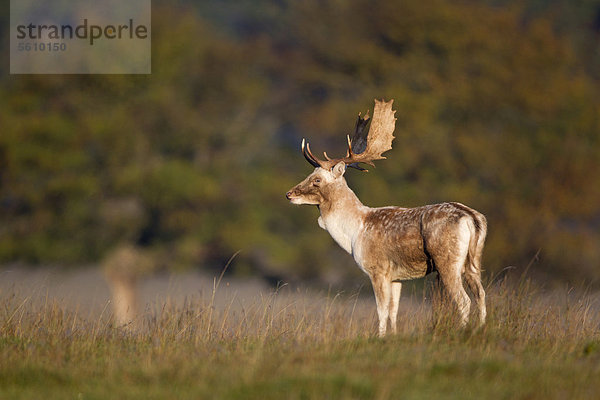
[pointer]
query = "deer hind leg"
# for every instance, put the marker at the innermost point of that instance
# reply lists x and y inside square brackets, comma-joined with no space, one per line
[473,281]
[383,293]
[451,268]
[473,277]
[454,289]
[395,302]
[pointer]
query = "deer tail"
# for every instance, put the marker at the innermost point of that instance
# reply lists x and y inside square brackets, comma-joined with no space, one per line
[478,227]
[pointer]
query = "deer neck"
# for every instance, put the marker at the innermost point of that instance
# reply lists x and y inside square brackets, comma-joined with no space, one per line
[342,215]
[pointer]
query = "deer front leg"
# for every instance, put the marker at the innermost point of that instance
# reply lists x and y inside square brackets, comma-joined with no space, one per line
[396,289]
[383,291]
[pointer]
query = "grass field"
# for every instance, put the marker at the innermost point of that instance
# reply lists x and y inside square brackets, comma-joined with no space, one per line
[301,345]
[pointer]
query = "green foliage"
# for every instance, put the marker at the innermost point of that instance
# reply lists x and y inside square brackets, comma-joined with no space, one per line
[497,108]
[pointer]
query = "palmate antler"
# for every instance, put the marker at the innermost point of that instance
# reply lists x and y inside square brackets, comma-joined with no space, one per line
[364,146]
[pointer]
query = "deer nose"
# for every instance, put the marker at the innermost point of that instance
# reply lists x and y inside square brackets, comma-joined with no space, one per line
[288,195]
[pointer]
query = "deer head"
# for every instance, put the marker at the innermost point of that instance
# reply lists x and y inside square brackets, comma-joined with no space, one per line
[365,146]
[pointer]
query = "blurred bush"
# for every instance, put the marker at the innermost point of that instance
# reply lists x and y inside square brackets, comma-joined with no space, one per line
[498,107]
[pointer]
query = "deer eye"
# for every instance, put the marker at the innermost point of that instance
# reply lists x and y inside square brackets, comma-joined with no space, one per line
[316,181]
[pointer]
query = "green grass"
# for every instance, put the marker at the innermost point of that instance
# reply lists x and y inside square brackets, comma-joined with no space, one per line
[301,346]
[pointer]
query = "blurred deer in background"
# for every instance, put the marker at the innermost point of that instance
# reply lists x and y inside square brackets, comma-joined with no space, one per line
[123,268]
[392,244]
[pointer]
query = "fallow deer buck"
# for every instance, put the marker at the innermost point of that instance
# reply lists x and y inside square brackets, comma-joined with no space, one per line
[393,244]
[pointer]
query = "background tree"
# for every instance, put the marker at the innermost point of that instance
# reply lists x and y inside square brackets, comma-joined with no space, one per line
[498,107]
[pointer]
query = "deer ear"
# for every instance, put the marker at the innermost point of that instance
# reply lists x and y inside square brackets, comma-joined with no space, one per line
[339,169]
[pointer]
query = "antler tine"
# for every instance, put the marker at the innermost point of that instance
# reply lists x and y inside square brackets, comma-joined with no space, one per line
[349,151]
[308,155]
[358,167]
[318,161]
